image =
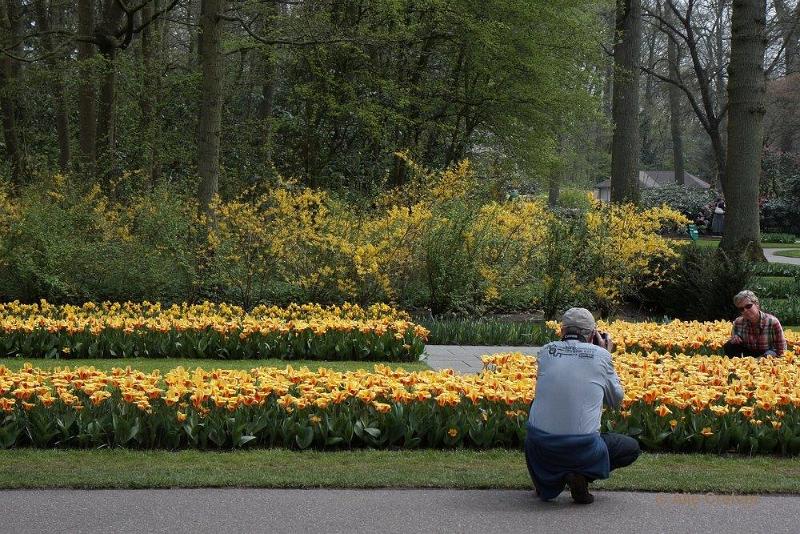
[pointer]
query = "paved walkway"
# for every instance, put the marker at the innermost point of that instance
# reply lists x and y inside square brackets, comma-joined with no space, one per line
[217,510]
[772,258]
[466,358]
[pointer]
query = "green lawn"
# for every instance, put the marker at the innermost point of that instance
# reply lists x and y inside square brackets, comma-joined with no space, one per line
[714,242]
[149,364]
[791,253]
[278,468]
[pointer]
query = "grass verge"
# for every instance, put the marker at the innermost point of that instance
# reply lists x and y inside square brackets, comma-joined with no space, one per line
[149,364]
[791,253]
[714,242]
[279,468]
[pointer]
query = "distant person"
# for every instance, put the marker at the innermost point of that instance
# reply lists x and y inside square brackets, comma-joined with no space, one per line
[718,219]
[755,332]
[701,222]
[564,445]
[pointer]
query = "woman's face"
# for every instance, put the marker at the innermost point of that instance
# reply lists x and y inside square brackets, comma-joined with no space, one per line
[749,310]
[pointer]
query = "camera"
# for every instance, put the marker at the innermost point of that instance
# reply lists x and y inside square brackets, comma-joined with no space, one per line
[602,339]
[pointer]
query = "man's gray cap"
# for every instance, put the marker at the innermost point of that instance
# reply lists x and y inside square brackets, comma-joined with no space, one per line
[578,318]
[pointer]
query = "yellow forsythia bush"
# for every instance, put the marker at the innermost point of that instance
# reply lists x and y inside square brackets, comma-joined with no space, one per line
[442,241]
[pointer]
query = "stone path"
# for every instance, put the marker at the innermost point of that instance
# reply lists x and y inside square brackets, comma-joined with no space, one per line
[466,358]
[215,510]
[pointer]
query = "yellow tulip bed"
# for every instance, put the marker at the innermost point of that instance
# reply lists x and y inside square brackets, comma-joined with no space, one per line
[682,402]
[688,337]
[672,402]
[207,330]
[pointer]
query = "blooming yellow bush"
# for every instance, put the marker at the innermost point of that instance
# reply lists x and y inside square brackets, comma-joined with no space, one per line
[441,241]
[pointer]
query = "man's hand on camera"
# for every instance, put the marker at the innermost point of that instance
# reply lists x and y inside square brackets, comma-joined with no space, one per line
[609,344]
[603,339]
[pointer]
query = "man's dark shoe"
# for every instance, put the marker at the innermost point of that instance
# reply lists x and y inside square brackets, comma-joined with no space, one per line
[579,488]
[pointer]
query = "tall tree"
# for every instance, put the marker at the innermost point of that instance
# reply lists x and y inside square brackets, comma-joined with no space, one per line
[87,109]
[114,32]
[9,68]
[150,44]
[43,18]
[625,143]
[109,41]
[704,88]
[746,88]
[210,120]
[674,94]
[789,29]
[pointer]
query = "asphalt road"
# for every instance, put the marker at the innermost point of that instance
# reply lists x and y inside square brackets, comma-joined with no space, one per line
[408,511]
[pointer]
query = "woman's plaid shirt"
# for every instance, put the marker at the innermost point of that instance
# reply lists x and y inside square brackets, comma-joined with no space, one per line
[765,335]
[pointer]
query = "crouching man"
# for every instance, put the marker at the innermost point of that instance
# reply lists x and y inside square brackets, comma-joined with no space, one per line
[564,445]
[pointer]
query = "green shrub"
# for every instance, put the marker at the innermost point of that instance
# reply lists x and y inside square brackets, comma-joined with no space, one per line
[455,331]
[574,199]
[778,238]
[702,285]
[786,310]
[780,288]
[68,245]
[781,215]
[776,269]
[450,269]
[687,200]
[567,257]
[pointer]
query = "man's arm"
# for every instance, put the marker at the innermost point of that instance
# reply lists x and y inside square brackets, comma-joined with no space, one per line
[612,391]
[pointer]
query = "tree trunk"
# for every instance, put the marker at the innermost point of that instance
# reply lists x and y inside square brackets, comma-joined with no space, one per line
[105,115]
[788,22]
[149,132]
[265,110]
[720,153]
[674,112]
[625,143]
[746,88]
[648,108]
[9,20]
[269,66]
[87,111]
[608,86]
[210,120]
[554,189]
[59,93]
[112,20]
[193,51]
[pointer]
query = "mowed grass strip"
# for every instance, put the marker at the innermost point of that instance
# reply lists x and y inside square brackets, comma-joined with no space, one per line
[714,243]
[280,468]
[148,365]
[791,253]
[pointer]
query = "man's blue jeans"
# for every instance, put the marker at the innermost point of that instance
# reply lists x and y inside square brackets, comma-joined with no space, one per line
[622,451]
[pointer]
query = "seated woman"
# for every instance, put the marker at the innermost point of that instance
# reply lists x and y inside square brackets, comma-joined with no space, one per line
[755,333]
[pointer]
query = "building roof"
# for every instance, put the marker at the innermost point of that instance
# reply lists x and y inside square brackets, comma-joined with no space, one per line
[652,179]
